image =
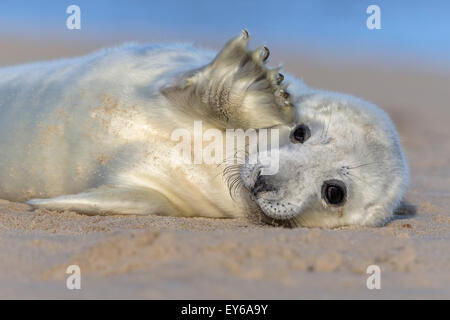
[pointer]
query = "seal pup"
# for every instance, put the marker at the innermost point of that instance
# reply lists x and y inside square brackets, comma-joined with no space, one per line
[93,135]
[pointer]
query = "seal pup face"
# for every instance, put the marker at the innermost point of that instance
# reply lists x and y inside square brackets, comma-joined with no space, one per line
[343,165]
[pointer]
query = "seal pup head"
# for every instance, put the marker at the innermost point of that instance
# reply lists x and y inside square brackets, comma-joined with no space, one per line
[342,165]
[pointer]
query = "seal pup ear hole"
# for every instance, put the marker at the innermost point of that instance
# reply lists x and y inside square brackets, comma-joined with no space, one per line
[300,134]
[334,192]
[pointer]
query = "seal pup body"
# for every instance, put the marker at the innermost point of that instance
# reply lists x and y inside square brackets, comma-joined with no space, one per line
[93,135]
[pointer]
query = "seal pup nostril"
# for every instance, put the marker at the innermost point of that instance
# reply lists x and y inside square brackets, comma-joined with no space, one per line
[261,185]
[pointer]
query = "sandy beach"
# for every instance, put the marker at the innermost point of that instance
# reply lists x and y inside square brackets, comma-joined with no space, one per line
[177,258]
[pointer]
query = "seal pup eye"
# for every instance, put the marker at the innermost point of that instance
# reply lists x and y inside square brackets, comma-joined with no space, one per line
[300,134]
[334,192]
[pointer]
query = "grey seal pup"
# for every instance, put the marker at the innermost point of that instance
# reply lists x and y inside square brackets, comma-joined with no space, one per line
[94,134]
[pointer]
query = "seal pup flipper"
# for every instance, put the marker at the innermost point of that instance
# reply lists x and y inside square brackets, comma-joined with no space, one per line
[236,90]
[108,200]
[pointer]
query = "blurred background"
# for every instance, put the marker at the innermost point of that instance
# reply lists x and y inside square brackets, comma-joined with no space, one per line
[412,31]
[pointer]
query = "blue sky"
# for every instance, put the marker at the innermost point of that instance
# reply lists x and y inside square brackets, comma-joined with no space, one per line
[420,29]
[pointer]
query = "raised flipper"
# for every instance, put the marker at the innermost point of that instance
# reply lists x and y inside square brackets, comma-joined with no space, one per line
[109,200]
[236,90]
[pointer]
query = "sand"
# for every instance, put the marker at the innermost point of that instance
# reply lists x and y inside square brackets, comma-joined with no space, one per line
[162,257]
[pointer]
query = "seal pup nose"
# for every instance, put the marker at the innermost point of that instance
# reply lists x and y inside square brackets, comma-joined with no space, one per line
[261,185]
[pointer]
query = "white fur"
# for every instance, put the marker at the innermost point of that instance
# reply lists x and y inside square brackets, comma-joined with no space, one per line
[92,134]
